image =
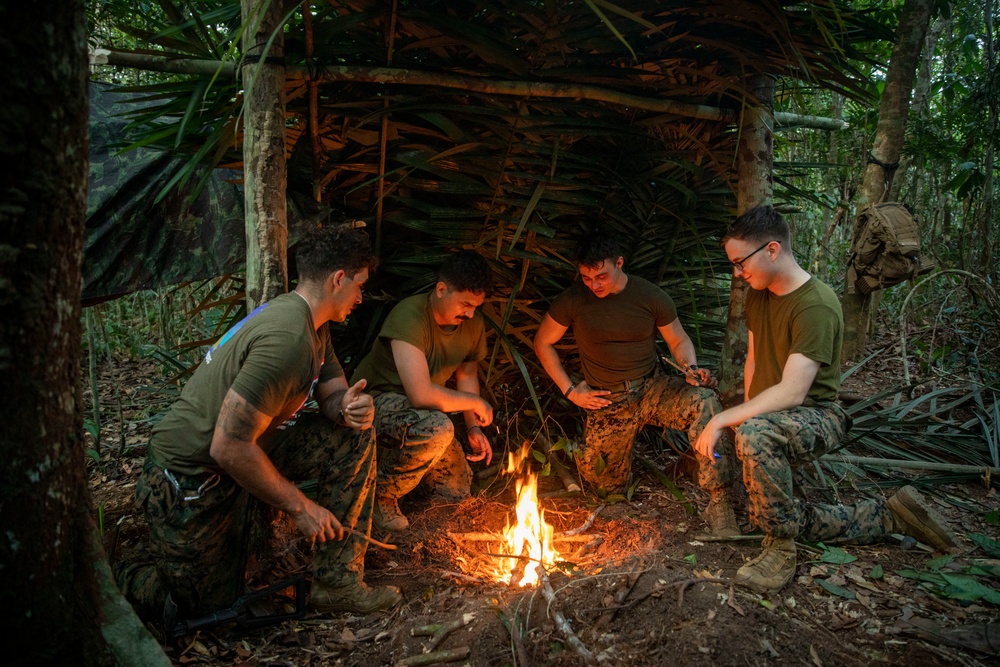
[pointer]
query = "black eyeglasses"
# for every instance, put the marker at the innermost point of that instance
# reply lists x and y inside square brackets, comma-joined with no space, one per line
[738,263]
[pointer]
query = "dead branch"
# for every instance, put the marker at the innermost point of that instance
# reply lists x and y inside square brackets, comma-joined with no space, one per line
[444,655]
[463,576]
[729,538]
[412,77]
[586,524]
[371,540]
[444,629]
[732,602]
[619,597]
[682,586]
[561,622]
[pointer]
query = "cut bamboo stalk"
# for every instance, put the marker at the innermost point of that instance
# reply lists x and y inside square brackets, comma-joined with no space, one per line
[913,465]
[565,476]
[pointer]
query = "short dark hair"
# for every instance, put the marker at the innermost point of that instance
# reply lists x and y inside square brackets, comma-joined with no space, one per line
[593,249]
[760,225]
[332,248]
[466,271]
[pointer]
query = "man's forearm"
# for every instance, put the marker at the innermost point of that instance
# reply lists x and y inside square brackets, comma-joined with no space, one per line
[332,406]
[247,463]
[772,399]
[468,384]
[552,364]
[436,397]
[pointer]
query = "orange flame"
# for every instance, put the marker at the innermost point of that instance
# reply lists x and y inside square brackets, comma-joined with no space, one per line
[530,536]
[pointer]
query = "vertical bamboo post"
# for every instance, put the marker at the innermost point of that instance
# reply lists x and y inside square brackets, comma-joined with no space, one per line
[755,161]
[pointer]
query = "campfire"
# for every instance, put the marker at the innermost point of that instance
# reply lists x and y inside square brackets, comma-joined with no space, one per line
[529,540]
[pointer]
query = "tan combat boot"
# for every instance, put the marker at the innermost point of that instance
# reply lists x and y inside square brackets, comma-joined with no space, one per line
[386,515]
[772,569]
[911,515]
[356,598]
[720,516]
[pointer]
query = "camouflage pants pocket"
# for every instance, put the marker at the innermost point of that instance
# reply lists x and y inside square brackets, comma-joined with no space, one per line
[199,540]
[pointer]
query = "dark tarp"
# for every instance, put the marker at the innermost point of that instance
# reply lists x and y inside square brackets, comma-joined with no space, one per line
[133,243]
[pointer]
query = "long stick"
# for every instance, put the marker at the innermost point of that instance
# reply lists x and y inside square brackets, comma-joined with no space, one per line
[913,465]
[561,621]
[447,80]
[444,655]
[686,371]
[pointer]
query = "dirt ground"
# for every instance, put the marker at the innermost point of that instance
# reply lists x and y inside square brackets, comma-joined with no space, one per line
[635,587]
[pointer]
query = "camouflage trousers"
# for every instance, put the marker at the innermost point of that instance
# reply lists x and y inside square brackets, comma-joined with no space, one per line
[200,525]
[770,446]
[418,447]
[605,460]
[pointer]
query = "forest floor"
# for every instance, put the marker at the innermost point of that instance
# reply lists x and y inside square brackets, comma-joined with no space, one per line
[636,587]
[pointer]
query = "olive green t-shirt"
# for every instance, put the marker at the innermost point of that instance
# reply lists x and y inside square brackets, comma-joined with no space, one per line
[616,335]
[273,358]
[808,321]
[412,321]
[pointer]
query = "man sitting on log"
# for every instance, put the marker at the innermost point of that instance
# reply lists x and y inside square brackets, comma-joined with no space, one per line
[236,431]
[615,318]
[791,414]
[425,341]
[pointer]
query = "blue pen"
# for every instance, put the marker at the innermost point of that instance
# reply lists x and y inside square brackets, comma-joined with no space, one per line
[717,455]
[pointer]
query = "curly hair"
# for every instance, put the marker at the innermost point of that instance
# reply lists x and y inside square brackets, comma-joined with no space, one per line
[593,249]
[760,225]
[466,271]
[329,249]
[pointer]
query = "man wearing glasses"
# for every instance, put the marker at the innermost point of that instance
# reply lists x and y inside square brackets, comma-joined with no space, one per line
[790,414]
[615,318]
[425,341]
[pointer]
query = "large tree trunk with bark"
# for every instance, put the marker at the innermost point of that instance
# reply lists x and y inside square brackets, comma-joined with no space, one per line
[264,171]
[755,161]
[61,606]
[886,150]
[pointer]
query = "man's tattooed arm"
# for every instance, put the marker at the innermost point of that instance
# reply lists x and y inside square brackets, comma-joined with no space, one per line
[240,420]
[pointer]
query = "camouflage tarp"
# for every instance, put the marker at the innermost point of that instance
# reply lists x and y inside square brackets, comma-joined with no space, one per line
[133,243]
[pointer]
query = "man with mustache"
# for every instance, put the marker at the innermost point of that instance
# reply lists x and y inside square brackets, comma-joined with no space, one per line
[238,432]
[425,341]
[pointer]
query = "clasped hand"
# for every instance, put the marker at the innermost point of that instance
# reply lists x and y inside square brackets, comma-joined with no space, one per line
[358,408]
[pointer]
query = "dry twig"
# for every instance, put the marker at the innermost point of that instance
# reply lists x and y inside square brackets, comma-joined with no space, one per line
[371,540]
[586,524]
[561,622]
[444,655]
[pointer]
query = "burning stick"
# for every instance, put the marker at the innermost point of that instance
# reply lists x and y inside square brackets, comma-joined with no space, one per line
[493,537]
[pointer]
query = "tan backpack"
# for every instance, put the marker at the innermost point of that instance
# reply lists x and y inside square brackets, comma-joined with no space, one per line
[885,249]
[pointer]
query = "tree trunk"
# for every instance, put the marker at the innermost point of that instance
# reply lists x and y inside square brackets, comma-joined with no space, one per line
[264,172]
[61,606]
[886,151]
[755,160]
[986,223]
